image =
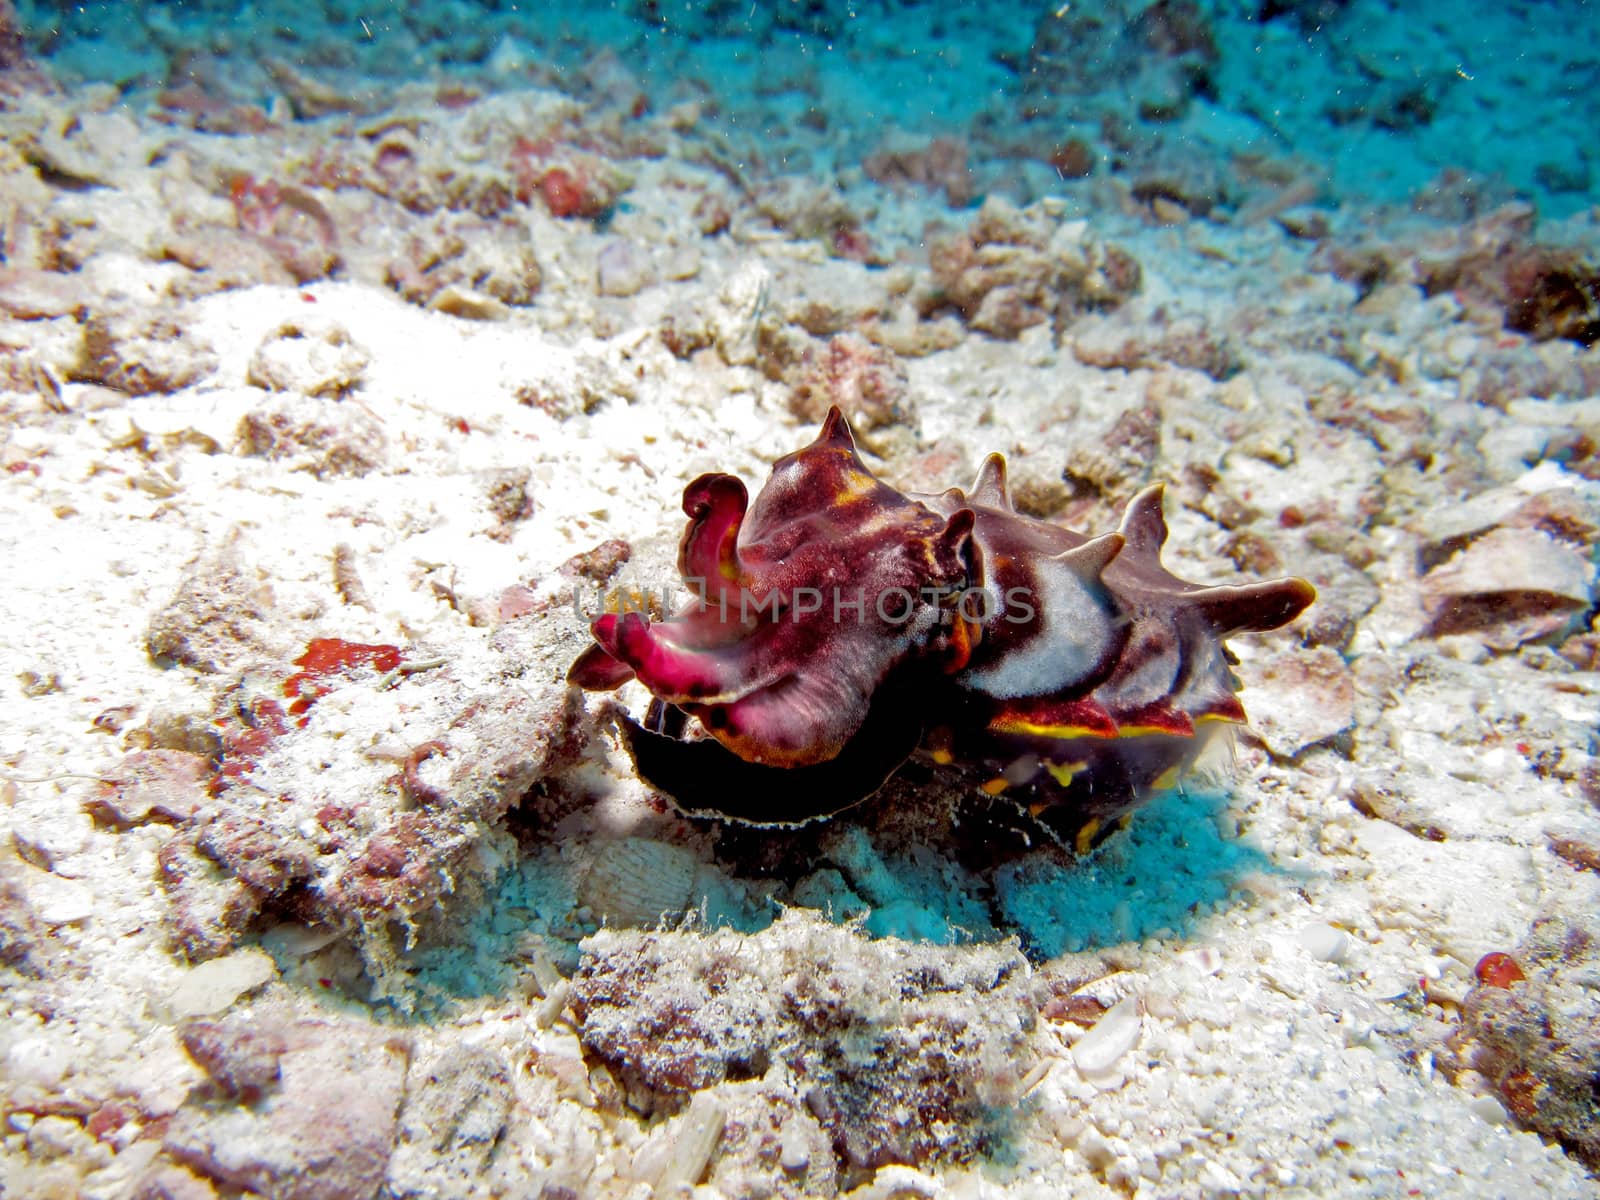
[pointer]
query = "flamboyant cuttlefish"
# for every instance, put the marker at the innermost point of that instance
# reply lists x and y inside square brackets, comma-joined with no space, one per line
[837,626]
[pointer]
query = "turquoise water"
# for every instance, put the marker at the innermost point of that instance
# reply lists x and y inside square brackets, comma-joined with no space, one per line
[1359,100]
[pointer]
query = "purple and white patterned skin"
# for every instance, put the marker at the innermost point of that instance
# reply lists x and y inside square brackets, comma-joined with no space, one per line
[837,626]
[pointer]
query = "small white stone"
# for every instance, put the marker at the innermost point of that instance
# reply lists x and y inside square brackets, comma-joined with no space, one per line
[1388,983]
[1216,1179]
[682,263]
[1357,1027]
[1487,1108]
[1163,1005]
[213,986]
[57,1137]
[38,1060]
[737,312]
[1324,943]
[794,1148]
[58,901]
[622,269]
[1204,959]
[1112,1036]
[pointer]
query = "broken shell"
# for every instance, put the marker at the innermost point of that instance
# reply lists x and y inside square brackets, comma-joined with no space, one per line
[1508,587]
[1324,942]
[675,1158]
[397,152]
[1097,1052]
[635,881]
[457,301]
[1299,698]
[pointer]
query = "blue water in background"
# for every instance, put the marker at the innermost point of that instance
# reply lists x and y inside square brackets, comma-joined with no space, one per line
[1374,100]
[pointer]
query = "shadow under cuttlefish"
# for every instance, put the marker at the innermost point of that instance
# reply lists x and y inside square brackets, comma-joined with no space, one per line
[1164,875]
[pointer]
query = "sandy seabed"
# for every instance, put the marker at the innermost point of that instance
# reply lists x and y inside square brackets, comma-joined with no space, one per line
[417,378]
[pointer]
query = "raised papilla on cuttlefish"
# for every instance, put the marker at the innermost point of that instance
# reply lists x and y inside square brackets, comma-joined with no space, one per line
[837,626]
